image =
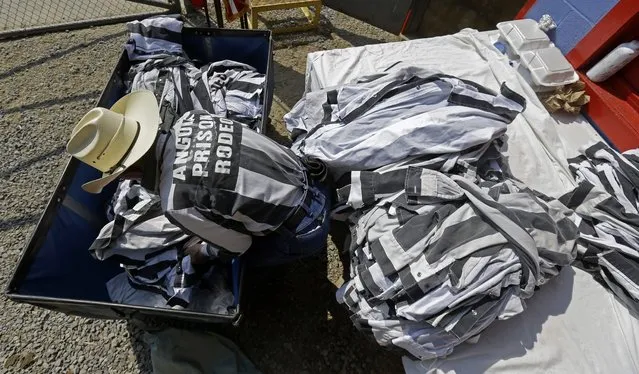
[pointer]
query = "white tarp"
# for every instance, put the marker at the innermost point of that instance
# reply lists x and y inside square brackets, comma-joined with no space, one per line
[571,325]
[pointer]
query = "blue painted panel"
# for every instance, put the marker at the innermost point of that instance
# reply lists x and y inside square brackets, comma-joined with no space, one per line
[593,10]
[571,30]
[558,9]
[574,18]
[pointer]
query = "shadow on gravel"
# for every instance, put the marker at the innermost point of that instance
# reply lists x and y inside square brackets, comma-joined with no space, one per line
[323,33]
[59,54]
[56,101]
[141,349]
[273,134]
[281,41]
[295,39]
[24,164]
[356,40]
[293,324]
[8,224]
[289,84]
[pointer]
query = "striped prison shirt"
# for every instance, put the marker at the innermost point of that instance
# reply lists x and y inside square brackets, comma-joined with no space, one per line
[148,247]
[436,258]
[607,199]
[390,117]
[225,88]
[234,90]
[154,37]
[224,183]
[171,80]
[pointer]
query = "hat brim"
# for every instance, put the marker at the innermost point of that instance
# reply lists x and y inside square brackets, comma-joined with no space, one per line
[142,107]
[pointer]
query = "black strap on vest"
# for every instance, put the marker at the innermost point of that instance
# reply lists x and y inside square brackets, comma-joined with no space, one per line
[159,84]
[167,113]
[168,116]
[300,213]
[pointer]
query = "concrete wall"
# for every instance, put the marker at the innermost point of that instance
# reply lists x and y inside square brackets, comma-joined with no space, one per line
[385,14]
[441,17]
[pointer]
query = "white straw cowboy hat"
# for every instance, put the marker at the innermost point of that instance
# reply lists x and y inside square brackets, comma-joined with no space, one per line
[113,140]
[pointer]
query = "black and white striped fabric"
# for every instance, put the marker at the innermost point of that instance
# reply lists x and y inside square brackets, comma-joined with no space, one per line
[235,90]
[155,37]
[139,230]
[607,199]
[225,183]
[436,258]
[226,88]
[391,117]
[360,188]
[148,246]
[171,79]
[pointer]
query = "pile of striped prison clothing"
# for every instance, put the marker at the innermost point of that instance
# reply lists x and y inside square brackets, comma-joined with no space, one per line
[607,200]
[152,251]
[442,242]
[226,88]
[403,113]
[436,257]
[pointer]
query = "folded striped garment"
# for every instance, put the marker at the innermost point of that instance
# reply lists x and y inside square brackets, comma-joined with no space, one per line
[436,258]
[155,37]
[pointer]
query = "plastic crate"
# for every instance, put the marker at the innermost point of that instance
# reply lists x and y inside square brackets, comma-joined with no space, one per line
[55,270]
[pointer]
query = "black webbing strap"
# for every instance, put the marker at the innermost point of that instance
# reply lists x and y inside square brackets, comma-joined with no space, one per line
[167,114]
[186,103]
[159,84]
[300,213]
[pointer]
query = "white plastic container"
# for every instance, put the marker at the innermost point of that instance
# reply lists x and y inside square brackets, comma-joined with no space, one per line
[548,68]
[523,35]
[614,61]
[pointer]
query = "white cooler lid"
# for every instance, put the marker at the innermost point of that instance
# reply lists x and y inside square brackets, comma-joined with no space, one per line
[523,35]
[549,67]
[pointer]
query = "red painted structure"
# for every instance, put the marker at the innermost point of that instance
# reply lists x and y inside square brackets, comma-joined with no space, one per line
[614,104]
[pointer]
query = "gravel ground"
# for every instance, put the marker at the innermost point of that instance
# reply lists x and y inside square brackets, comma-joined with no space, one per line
[291,324]
[17,14]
